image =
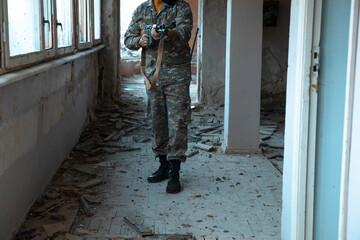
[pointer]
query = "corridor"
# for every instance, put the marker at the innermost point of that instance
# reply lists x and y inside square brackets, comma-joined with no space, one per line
[104,180]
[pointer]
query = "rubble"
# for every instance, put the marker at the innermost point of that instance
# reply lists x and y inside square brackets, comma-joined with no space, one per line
[77,189]
[82,231]
[90,183]
[141,229]
[51,229]
[49,206]
[72,237]
[205,147]
[272,138]
[191,153]
[73,191]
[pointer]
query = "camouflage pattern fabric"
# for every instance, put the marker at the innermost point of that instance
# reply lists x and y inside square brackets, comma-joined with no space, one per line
[169,102]
[176,58]
[170,118]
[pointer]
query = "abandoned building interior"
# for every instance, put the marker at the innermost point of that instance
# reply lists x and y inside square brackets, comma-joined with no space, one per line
[273,140]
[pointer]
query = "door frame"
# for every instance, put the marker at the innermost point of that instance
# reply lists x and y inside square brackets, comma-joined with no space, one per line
[301,119]
[352,72]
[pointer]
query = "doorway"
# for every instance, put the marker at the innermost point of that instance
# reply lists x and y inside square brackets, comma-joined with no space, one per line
[130,60]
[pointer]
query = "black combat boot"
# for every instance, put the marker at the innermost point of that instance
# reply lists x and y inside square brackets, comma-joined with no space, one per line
[174,185]
[162,173]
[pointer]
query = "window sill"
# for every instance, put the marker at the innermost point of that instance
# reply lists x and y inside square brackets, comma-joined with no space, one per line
[9,78]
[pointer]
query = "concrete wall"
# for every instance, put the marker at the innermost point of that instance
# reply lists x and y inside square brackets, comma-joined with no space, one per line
[110,56]
[41,118]
[274,60]
[243,76]
[212,55]
[212,51]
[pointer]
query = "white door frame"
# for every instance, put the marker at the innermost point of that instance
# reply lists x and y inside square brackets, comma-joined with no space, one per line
[352,73]
[300,125]
[310,181]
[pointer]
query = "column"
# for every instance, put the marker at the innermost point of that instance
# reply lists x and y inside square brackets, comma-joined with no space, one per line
[243,75]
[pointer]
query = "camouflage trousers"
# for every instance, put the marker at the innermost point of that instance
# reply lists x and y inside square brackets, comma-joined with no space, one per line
[170,113]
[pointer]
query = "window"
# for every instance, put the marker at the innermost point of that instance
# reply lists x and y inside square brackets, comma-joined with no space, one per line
[97,19]
[37,30]
[65,23]
[84,23]
[48,23]
[24,38]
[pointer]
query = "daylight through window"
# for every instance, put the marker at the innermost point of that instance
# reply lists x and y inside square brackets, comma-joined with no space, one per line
[24,38]
[84,21]
[65,23]
[39,30]
[48,23]
[97,19]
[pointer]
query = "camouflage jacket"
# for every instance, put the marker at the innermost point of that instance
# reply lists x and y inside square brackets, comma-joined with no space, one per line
[175,67]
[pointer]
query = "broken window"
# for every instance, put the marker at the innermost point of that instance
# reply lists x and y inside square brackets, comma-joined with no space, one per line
[24,38]
[64,23]
[97,19]
[84,21]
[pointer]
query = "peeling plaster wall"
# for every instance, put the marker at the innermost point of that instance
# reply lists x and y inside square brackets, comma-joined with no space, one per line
[212,51]
[110,55]
[212,55]
[41,119]
[274,60]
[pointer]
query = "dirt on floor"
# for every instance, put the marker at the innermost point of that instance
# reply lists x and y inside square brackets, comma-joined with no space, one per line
[71,205]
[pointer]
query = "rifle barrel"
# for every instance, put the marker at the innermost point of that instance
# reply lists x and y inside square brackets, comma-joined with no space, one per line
[192,50]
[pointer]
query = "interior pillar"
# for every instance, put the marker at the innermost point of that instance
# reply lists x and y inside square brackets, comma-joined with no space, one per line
[109,58]
[243,75]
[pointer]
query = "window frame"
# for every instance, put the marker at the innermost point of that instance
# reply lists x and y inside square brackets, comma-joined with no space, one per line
[85,45]
[22,59]
[49,53]
[69,49]
[96,41]
[9,63]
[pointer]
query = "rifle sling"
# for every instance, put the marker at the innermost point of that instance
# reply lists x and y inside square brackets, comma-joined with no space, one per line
[151,85]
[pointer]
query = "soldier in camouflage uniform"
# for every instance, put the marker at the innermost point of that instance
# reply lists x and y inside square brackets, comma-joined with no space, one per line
[170,100]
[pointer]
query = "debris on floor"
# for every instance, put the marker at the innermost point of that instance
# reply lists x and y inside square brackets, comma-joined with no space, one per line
[86,199]
[272,138]
[73,191]
[141,229]
[204,147]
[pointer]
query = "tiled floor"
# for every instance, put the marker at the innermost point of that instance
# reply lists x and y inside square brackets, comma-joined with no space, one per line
[223,196]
